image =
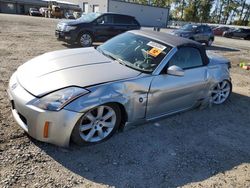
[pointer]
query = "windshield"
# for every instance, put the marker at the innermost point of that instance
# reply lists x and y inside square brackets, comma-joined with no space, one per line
[89,17]
[189,27]
[135,51]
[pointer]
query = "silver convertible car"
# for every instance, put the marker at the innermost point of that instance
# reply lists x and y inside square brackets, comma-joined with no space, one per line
[87,94]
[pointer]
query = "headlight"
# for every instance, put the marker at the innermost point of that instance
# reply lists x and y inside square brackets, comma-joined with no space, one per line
[57,100]
[69,28]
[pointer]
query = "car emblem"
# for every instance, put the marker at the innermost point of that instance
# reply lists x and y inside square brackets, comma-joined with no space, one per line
[14,86]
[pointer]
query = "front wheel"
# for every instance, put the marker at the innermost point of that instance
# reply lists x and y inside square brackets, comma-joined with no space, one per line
[97,125]
[85,40]
[209,42]
[221,92]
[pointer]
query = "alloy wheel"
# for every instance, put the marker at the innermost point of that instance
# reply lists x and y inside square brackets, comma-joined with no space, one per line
[97,124]
[221,92]
[86,40]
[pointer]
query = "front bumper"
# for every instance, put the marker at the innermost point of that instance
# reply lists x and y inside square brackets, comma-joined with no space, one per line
[33,119]
[35,14]
[66,36]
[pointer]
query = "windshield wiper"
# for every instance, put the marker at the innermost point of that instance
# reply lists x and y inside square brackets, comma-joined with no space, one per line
[122,62]
[106,53]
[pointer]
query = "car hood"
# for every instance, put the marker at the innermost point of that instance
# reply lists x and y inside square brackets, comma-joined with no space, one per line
[72,22]
[80,67]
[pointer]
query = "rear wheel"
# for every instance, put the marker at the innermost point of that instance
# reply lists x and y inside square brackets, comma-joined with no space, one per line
[247,38]
[221,92]
[85,39]
[97,125]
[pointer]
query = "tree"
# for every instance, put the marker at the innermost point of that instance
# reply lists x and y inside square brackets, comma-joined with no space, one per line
[144,2]
[198,10]
[204,10]
[179,6]
[161,3]
[191,11]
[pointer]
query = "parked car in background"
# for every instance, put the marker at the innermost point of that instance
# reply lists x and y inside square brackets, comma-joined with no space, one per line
[87,94]
[238,33]
[220,30]
[43,10]
[212,26]
[69,15]
[95,27]
[77,14]
[34,12]
[199,33]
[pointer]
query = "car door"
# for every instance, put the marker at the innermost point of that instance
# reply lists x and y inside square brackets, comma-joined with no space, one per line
[198,36]
[238,33]
[104,27]
[122,23]
[170,93]
[208,33]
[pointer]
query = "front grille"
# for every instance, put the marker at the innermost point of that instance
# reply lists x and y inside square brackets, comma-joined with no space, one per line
[24,120]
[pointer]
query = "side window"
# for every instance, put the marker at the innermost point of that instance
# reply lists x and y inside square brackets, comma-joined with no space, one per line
[200,29]
[208,29]
[135,22]
[106,19]
[186,58]
[118,19]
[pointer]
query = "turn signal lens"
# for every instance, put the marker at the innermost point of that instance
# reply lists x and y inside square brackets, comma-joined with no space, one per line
[46,130]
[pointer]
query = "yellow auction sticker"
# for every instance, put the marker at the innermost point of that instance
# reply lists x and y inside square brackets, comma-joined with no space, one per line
[154,52]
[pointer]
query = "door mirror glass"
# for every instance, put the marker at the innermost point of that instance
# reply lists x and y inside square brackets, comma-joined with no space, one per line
[175,71]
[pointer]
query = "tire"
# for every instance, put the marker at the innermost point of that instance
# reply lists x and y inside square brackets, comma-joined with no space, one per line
[227,36]
[97,125]
[85,39]
[209,42]
[247,37]
[221,92]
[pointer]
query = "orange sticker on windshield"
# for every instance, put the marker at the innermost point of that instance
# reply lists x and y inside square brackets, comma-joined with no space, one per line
[154,52]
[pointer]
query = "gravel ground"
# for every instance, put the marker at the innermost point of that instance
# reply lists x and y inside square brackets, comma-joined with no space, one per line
[199,148]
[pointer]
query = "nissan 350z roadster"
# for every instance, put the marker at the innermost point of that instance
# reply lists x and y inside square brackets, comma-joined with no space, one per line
[87,94]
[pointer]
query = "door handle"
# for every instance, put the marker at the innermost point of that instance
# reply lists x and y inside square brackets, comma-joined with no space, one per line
[206,75]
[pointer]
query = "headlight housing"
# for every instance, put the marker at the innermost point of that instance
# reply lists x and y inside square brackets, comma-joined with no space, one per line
[69,28]
[57,100]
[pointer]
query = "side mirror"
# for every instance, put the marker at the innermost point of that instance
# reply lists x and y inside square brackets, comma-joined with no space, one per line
[197,31]
[175,71]
[100,22]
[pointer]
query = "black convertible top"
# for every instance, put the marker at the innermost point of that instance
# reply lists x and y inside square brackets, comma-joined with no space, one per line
[173,41]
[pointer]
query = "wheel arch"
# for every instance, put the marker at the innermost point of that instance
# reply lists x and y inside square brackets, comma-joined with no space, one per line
[124,115]
[85,31]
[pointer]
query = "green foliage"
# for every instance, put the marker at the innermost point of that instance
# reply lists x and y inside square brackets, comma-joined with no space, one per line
[191,11]
[213,11]
[161,3]
[144,2]
[198,10]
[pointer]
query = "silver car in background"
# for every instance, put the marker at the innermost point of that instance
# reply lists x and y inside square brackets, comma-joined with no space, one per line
[87,94]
